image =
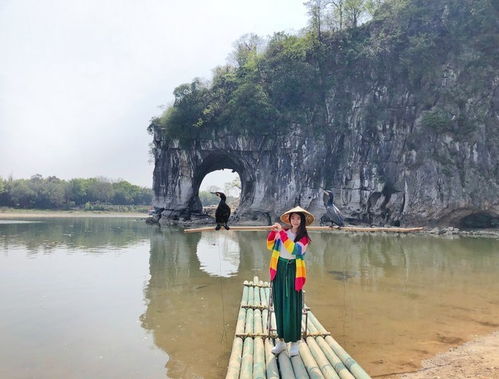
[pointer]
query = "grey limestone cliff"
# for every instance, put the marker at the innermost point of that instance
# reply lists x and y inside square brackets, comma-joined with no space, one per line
[396,147]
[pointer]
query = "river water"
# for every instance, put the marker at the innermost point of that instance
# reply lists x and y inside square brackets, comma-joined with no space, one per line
[113,297]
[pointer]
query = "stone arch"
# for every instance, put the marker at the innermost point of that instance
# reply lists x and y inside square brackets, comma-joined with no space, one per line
[219,160]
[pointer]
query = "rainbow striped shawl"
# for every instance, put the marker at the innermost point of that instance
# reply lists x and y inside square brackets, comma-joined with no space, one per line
[274,240]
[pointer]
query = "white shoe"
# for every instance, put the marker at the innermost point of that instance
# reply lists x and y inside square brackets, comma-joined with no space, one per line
[279,347]
[294,349]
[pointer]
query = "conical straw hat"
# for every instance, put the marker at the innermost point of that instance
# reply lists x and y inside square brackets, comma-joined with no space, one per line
[309,217]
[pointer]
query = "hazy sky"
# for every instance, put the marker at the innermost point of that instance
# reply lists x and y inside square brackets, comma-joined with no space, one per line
[80,79]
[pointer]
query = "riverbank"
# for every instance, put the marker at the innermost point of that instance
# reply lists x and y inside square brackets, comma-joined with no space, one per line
[477,358]
[36,213]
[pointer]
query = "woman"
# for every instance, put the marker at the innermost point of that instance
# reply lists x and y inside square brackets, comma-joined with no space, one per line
[288,275]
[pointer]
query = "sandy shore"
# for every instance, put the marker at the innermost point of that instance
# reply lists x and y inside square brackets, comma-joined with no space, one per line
[66,214]
[478,358]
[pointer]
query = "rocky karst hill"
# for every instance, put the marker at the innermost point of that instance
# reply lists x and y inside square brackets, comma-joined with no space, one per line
[398,116]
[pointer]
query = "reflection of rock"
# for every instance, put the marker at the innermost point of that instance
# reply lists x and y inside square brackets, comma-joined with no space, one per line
[78,233]
[188,310]
[192,305]
[343,275]
[218,254]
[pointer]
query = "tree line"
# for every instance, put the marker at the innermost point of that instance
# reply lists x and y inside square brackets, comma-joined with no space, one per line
[288,81]
[268,84]
[51,192]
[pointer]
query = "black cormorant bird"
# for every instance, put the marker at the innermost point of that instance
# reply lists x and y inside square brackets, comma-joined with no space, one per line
[222,213]
[333,213]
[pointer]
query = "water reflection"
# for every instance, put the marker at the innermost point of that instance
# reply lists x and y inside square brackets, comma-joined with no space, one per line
[89,234]
[387,299]
[374,292]
[218,254]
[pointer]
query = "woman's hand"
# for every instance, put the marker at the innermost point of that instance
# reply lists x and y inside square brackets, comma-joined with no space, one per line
[276,227]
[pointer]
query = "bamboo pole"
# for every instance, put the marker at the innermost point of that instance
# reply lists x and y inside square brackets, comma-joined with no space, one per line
[273,322]
[247,360]
[265,311]
[309,228]
[248,347]
[321,359]
[258,347]
[336,362]
[310,364]
[263,294]
[347,360]
[257,322]
[241,317]
[265,329]
[244,299]
[251,291]
[271,361]
[285,366]
[259,359]
[299,367]
[235,359]
[248,327]
[237,346]
[256,295]
[324,365]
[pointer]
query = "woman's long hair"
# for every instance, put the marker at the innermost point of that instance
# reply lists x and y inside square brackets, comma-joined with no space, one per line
[302,229]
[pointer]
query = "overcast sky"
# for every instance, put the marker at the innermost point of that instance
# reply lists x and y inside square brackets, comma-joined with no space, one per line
[80,79]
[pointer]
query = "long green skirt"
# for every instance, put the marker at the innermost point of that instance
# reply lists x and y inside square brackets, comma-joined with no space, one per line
[287,301]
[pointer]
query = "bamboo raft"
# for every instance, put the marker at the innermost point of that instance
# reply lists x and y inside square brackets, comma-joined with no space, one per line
[323,228]
[320,355]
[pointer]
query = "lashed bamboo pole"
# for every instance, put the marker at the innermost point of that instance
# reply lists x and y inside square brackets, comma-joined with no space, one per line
[256,295]
[257,322]
[271,361]
[263,294]
[247,360]
[248,327]
[336,362]
[273,322]
[299,367]
[324,364]
[285,366]
[241,318]
[259,358]
[248,347]
[251,291]
[310,364]
[347,360]
[258,347]
[235,359]
[244,299]
[265,311]
[237,346]
[321,228]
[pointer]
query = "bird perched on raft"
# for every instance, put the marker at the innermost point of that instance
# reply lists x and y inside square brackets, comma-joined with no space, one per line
[333,213]
[222,213]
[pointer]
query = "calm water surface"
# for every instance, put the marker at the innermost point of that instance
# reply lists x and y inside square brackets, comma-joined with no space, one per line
[113,298]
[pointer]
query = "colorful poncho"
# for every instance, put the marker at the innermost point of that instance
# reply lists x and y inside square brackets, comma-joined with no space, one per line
[274,240]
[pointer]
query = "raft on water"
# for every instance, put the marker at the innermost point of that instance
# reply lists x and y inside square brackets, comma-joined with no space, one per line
[322,228]
[320,355]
